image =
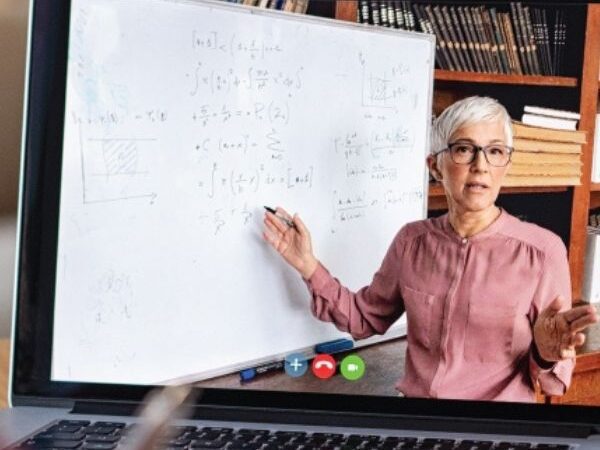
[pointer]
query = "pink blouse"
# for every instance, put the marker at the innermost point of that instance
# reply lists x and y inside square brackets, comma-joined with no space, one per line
[470,304]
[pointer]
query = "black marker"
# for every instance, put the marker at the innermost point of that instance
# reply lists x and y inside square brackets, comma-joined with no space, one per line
[288,222]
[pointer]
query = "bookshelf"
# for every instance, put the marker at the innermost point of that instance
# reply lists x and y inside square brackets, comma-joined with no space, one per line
[582,90]
[529,80]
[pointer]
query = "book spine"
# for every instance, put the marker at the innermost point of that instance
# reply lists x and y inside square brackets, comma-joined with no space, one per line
[462,39]
[399,15]
[538,34]
[526,39]
[555,41]
[383,17]
[519,40]
[449,45]
[479,60]
[391,14]
[405,14]
[501,40]
[427,27]
[494,45]
[563,43]
[363,11]
[485,43]
[471,41]
[531,38]
[411,16]
[514,51]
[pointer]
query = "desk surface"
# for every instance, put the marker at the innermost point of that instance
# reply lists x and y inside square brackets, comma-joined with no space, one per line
[384,367]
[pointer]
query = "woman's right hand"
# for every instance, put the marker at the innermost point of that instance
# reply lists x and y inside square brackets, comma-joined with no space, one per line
[291,242]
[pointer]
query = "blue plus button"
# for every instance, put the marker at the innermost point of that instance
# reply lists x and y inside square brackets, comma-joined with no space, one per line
[296,365]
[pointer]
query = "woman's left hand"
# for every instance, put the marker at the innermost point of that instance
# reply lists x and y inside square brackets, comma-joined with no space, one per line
[556,334]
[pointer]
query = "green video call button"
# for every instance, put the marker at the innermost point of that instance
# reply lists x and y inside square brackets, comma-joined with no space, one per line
[352,367]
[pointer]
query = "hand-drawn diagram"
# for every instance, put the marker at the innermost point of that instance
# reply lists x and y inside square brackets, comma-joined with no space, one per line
[117,169]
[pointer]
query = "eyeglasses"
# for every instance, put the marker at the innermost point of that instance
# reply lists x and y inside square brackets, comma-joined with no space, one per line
[497,155]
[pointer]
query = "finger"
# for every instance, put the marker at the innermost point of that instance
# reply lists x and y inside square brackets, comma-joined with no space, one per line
[583,322]
[579,311]
[556,305]
[300,226]
[275,221]
[283,213]
[566,353]
[577,340]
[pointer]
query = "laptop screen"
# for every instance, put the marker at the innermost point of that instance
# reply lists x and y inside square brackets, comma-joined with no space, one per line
[159,173]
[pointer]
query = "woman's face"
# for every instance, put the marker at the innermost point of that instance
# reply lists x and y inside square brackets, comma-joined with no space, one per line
[472,187]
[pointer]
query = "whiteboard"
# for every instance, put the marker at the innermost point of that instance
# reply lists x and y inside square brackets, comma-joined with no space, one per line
[184,118]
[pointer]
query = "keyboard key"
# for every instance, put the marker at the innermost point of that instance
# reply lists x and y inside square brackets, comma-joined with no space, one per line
[512,446]
[98,446]
[202,444]
[474,445]
[50,443]
[102,438]
[64,428]
[60,436]
[110,424]
[550,447]
[101,430]
[77,423]
[255,432]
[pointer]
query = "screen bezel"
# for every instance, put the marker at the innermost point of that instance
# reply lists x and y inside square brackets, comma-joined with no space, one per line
[38,234]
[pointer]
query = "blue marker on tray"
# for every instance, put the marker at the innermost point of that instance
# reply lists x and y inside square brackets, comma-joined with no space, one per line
[335,346]
[252,372]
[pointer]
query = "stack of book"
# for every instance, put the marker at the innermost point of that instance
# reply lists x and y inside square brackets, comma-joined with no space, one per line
[298,6]
[545,157]
[550,118]
[520,40]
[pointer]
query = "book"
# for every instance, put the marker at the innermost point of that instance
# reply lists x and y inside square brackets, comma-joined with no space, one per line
[461,38]
[363,11]
[439,37]
[511,47]
[519,39]
[549,122]
[449,44]
[519,157]
[301,6]
[547,134]
[551,112]
[500,39]
[551,170]
[532,41]
[460,52]
[472,43]
[536,146]
[533,180]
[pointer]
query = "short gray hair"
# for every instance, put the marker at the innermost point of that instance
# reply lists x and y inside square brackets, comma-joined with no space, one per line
[468,111]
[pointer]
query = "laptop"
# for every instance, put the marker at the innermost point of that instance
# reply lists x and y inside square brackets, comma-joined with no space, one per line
[78,371]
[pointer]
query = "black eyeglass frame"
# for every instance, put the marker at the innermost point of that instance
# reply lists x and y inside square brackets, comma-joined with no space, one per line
[477,149]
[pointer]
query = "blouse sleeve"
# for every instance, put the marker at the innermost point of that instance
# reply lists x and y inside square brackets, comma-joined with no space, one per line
[371,310]
[555,280]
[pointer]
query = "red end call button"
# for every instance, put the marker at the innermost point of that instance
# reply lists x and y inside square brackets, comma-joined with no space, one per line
[323,366]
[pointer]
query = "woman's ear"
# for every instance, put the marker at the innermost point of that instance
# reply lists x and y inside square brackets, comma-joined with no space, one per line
[433,168]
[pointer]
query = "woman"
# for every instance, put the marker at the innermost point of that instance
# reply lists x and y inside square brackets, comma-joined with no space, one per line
[487,296]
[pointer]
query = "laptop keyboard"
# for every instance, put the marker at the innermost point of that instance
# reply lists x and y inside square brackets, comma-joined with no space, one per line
[77,434]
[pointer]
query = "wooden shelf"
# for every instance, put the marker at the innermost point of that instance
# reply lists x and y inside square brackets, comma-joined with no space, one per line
[436,190]
[476,77]
[594,186]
